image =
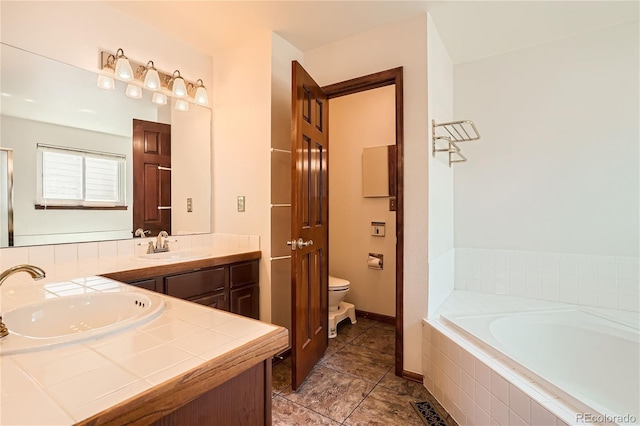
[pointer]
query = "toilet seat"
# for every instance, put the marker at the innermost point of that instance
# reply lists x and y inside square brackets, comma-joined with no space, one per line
[336,284]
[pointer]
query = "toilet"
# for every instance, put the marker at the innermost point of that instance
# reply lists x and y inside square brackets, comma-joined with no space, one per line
[338,309]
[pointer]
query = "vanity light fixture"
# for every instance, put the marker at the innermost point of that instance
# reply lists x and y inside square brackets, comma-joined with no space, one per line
[106,82]
[133,91]
[151,77]
[148,77]
[159,98]
[177,85]
[123,67]
[182,105]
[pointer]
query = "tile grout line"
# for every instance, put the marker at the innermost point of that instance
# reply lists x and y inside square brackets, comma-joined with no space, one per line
[343,345]
[367,395]
[307,408]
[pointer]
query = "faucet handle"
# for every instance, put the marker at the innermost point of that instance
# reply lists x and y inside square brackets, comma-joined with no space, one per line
[151,248]
[140,233]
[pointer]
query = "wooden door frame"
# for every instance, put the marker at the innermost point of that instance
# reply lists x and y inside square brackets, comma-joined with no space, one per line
[361,84]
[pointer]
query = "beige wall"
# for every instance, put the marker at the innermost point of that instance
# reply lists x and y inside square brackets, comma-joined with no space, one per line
[403,44]
[241,143]
[364,119]
[191,174]
[74,32]
[282,55]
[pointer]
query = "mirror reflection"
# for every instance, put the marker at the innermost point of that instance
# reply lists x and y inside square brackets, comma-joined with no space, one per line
[72,146]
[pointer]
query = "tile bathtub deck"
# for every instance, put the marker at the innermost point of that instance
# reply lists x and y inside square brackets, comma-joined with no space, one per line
[353,384]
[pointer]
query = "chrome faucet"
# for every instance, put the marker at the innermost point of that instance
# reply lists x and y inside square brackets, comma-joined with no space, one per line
[35,272]
[162,244]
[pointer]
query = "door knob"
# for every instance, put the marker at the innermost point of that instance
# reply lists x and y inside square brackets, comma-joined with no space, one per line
[303,243]
[299,243]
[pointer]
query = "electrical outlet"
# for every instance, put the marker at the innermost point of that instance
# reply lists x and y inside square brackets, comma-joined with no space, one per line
[189,205]
[240,203]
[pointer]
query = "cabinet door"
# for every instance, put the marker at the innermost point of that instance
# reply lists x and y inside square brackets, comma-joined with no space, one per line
[193,284]
[217,300]
[149,284]
[245,301]
[245,273]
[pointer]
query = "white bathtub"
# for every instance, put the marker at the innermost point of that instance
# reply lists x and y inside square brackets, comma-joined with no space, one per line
[591,358]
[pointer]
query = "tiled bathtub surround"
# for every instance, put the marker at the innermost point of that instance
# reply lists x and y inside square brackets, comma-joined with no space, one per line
[589,280]
[480,386]
[477,389]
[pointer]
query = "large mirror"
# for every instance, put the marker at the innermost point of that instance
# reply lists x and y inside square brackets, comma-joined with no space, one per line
[47,105]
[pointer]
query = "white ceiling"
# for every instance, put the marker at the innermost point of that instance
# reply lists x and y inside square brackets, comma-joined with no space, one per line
[476,29]
[469,29]
[214,25]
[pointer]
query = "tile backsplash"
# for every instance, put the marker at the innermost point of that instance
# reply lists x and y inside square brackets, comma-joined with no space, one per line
[67,253]
[591,280]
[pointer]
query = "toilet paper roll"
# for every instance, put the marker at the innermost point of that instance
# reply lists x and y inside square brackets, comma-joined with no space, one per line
[374,263]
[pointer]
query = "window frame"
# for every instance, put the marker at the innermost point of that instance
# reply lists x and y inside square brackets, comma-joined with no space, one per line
[53,203]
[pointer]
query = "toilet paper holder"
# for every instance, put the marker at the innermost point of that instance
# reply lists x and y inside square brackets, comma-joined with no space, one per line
[375,261]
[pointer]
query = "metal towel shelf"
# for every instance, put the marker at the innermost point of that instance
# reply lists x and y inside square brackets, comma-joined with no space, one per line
[453,133]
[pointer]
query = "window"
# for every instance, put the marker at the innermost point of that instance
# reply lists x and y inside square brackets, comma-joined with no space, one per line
[72,177]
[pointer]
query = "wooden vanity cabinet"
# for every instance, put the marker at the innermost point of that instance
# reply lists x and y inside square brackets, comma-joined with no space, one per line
[207,287]
[149,284]
[234,287]
[245,289]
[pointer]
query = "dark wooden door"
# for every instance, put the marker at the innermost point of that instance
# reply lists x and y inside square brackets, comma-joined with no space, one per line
[151,176]
[309,224]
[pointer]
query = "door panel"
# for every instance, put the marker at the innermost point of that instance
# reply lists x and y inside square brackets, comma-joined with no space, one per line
[309,223]
[151,176]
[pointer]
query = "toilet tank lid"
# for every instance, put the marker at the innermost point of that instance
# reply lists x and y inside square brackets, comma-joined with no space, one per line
[338,282]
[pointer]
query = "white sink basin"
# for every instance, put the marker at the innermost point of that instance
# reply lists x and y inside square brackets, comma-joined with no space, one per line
[76,318]
[184,254]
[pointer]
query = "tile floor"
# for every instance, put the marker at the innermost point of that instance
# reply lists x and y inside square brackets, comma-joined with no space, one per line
[353,384]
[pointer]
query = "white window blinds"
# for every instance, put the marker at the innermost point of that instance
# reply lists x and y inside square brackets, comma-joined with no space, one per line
[70,176]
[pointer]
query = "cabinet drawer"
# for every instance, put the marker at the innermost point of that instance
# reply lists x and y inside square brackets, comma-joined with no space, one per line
[218,301]
[192,284]
[149,284]
[244,274]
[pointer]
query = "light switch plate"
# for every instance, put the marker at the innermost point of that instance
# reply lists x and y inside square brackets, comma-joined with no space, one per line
[189,205]
[240,203]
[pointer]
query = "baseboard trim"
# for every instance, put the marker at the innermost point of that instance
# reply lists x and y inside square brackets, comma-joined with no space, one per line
[376,317]
[410,375]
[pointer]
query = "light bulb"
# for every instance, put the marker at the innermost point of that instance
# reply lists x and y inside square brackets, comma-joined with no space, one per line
[159,98]
[123,67]
[179,88]
[182,105]
[201,93]
[133,91]
[106,82]
[151,77]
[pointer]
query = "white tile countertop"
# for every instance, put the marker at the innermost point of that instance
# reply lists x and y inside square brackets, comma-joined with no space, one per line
[70,383]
